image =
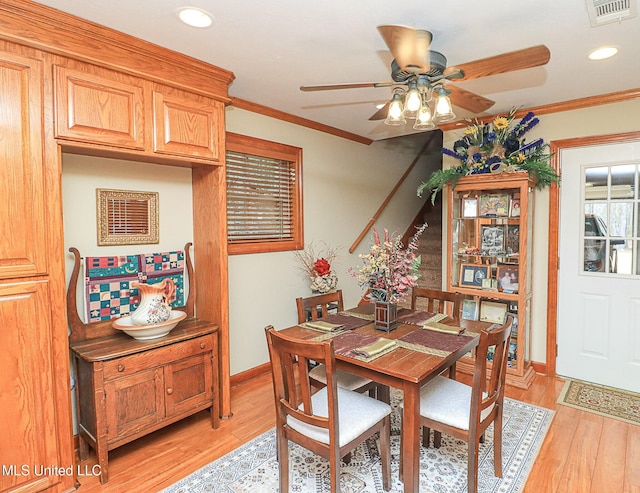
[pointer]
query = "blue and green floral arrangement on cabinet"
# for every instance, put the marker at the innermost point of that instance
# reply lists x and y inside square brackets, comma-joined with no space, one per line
[495,147]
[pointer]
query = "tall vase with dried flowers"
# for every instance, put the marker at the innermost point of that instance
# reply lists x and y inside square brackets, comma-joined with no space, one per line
[389,271]
[317,266]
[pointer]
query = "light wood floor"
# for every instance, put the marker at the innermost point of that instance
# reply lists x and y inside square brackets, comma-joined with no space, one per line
[582,453]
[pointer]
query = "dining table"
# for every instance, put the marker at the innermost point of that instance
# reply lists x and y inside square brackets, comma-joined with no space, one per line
[424,346]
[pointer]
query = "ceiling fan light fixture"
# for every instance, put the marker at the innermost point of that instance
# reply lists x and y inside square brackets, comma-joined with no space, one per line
[413,101]
[424,120]
[444,110]
[396,110]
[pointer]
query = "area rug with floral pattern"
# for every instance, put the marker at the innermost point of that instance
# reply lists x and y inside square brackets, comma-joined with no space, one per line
[606,401]
[253,468]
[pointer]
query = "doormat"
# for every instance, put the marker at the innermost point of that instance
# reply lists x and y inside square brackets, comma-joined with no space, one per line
[606,401]
[253,467]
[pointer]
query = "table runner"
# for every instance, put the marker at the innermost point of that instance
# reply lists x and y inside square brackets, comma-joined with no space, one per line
[347,322]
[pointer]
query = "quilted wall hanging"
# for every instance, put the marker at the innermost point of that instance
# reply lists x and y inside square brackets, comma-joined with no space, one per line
[107,281]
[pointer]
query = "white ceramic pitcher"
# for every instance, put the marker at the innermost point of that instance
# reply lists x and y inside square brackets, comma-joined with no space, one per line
[155,300]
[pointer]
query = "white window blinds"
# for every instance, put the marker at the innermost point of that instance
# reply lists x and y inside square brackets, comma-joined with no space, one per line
[260,198]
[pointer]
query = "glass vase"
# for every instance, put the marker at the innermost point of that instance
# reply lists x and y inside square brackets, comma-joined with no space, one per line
[386,316]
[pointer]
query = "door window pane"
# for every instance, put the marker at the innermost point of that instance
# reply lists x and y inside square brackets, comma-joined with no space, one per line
[611,219]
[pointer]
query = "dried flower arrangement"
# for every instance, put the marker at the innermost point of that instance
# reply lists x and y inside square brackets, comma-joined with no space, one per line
[389,270]
[317,266]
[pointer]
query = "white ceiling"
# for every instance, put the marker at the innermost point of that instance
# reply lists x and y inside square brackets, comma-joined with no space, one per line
[274,47]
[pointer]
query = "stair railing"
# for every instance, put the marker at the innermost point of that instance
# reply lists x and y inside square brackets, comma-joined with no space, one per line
[375,217]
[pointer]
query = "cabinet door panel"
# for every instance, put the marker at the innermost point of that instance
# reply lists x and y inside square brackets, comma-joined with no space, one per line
[186,124]
[27,409]
[188,383]
[134,403]
[102,108]
[22,251]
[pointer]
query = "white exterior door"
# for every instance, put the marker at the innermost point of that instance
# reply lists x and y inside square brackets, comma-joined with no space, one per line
[598,331]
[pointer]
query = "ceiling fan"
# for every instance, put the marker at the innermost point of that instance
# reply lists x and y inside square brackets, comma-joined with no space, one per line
[419,74]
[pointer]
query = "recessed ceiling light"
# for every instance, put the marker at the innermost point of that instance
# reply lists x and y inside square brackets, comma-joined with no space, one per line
[195,17]
[602,53]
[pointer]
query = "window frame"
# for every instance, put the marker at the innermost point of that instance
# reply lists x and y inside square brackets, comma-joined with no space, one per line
[273,150]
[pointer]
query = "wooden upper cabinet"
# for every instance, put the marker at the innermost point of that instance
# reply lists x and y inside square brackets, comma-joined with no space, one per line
[187,124]
[99,106]
[21,173]
[103,107]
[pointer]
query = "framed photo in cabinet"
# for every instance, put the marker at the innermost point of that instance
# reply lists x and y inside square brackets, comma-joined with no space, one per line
[470,309]
[472,274]
[492,312]
[513,239]
[514,208]
[494,204]
[507,276]
[492,240]
[469,207]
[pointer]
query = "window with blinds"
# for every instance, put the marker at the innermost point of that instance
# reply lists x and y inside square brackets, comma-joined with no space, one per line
[127,217]
[264,195]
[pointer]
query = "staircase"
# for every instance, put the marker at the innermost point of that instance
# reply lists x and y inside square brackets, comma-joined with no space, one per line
[429,245]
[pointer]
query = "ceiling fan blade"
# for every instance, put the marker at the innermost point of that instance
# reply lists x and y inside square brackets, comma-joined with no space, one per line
[469,100]
[382,113]
[330,87]
[409,47]
[507,62]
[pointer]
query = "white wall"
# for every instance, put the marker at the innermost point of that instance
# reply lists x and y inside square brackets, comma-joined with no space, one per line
[599,120]
[82,175]
[344,185]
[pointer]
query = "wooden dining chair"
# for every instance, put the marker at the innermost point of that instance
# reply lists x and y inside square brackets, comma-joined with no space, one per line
[437,301]
[465,411]
[330,422]
[319,306]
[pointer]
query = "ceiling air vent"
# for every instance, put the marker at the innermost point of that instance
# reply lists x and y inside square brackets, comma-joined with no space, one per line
[607,11]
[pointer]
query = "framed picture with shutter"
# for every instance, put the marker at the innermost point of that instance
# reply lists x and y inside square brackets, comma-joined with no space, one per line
[127,217]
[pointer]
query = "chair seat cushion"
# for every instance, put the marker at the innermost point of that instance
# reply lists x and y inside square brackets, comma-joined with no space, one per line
[345,380]
[356,414]
[448,401]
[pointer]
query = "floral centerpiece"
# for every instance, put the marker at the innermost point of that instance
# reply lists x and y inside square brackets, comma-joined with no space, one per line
[317,266]
[389,270]
[495,147]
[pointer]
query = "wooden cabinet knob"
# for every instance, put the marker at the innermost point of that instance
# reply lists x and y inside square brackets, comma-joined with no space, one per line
[202,345]
[169,391]
[120,368]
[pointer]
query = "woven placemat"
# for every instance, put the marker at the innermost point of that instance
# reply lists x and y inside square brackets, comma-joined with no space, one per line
[351,340]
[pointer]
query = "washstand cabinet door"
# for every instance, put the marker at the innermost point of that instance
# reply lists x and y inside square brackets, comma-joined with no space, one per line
[99,106]
[23,244]
[187,125]
[134,403]
[188,383]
